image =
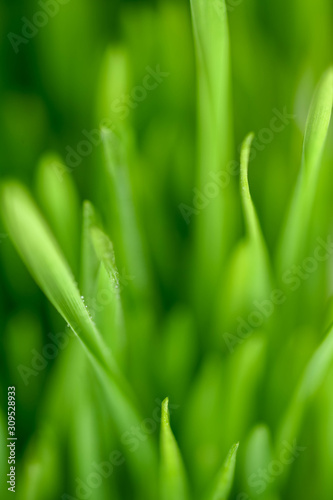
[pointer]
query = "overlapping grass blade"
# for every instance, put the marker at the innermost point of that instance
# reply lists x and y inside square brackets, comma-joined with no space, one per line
[108,308]
[130,250]
[293,237]
[105,253]
[173,481]
[42,256]
[223,483]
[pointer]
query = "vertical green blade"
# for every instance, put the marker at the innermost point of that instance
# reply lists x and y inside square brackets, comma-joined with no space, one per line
[295,231]
[214,136]
[173,482]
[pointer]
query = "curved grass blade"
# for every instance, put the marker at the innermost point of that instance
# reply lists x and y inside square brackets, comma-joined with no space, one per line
[251,219]
[299,214]
[309,384]
[173,481]
[39,250]
[42,256]
[257,244]
[224,480]
[249,275]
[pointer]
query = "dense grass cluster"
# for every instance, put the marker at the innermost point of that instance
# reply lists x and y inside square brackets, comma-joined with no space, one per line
[185,349]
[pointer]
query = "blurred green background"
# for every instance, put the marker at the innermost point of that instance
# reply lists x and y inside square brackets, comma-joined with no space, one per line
[64,80]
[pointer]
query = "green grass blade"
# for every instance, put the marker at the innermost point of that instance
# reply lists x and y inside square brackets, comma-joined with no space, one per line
[42,256]
[211,36]
[225,477]
[109,313]
[111,87]
[105,253]
[298,217]
[309,384]
[259,258]
[212,47]
[128,235]
[60,202]
[246,368]
[173,482]
[203,436]
[89,261]
[177,352]
[249,276]
[258,456]
[251,219]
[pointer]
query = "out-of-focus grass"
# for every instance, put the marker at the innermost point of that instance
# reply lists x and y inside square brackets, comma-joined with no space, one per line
[161,307]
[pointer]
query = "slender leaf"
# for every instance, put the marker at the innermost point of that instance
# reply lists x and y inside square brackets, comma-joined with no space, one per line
[309,384]
[41,254]
[173,482]
[299,214]
[225,477]
[259,255]
[89,260]
[131,251]
[108,311]
[60,202]
[214,137]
